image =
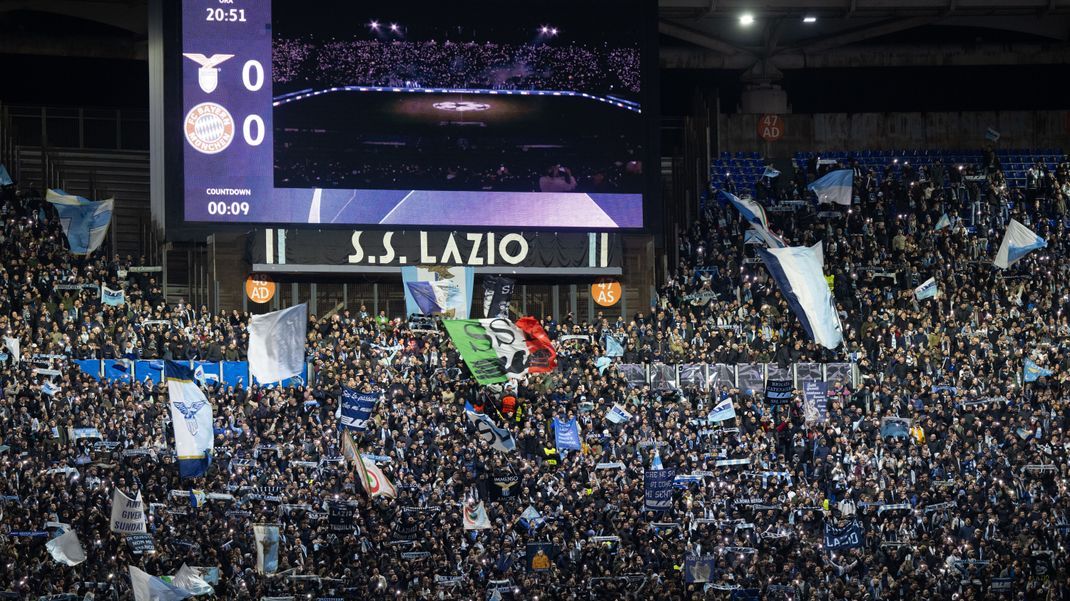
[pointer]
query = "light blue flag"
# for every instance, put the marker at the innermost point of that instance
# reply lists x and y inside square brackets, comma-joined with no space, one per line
[49,388]
[567,435]
[835,187]
[191,417]
[927,290]
[754,214]
[798,274]
[84,222]
[656,464]
[5,178]
[613,346]
[723,411]
[770,172]
[1031,372]
[944,221]
[1018,241]
[602,364]
[112,298]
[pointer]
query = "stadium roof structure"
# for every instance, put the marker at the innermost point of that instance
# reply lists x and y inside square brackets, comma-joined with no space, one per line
[786,34]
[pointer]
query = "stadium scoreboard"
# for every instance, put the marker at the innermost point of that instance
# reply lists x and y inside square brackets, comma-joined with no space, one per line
[290,119]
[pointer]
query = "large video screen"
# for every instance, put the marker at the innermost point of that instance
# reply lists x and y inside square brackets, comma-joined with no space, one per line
[416,113]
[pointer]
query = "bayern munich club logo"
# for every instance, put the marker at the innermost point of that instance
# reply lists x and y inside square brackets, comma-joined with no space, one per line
[209,128]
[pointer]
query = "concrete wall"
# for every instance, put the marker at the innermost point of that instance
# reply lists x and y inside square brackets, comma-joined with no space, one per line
[891,131]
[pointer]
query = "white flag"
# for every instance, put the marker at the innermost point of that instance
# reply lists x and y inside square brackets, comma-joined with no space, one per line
[277,344]
[373,478]
[127,515]
[267,548]
[191,417]
[618,414]
[66,548]
[189,579]
[14,346]
[928,289]
[475,518]
[1018,241]
[147,587]
[723,411]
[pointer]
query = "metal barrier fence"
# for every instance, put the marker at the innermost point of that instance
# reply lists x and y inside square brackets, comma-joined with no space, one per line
[745,376]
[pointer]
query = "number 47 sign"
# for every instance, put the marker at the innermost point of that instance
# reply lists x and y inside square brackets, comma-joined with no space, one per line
[606,292]
[770,127]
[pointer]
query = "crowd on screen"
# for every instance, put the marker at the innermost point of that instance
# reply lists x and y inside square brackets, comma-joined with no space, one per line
[475,170]
[955,508]
[432,64]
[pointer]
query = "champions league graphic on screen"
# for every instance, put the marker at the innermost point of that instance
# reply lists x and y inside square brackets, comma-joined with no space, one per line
[475,114]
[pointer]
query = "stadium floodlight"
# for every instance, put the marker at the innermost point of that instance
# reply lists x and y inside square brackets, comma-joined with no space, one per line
[553,31]
[809,19]
[746,19]
[374,25]
[394,27]
[544,30]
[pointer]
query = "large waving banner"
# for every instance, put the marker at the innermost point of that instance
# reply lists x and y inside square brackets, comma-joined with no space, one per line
[496,349]
[479,354]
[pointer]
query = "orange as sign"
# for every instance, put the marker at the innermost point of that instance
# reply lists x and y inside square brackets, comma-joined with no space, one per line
[606,292]
[770,127]
[259,288]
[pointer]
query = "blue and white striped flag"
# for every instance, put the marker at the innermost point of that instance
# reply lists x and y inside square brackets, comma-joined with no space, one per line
[754,214]
[835,187]
[770,172]
[5,178]
[944,221]
[191,417]
[1018,241]
[798,274]
[926,290]
[84,222]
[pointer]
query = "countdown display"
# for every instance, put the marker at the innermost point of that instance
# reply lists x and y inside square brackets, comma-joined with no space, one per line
[473,113]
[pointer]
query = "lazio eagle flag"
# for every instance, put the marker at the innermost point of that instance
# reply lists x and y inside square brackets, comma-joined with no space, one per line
[191,416]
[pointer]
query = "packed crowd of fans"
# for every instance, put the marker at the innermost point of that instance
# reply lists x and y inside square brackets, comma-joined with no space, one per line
[432,64]
[480,168]
[972,500]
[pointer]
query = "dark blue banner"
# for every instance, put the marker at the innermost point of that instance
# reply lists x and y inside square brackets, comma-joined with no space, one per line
[848,537]
[357,408]
[657,489]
